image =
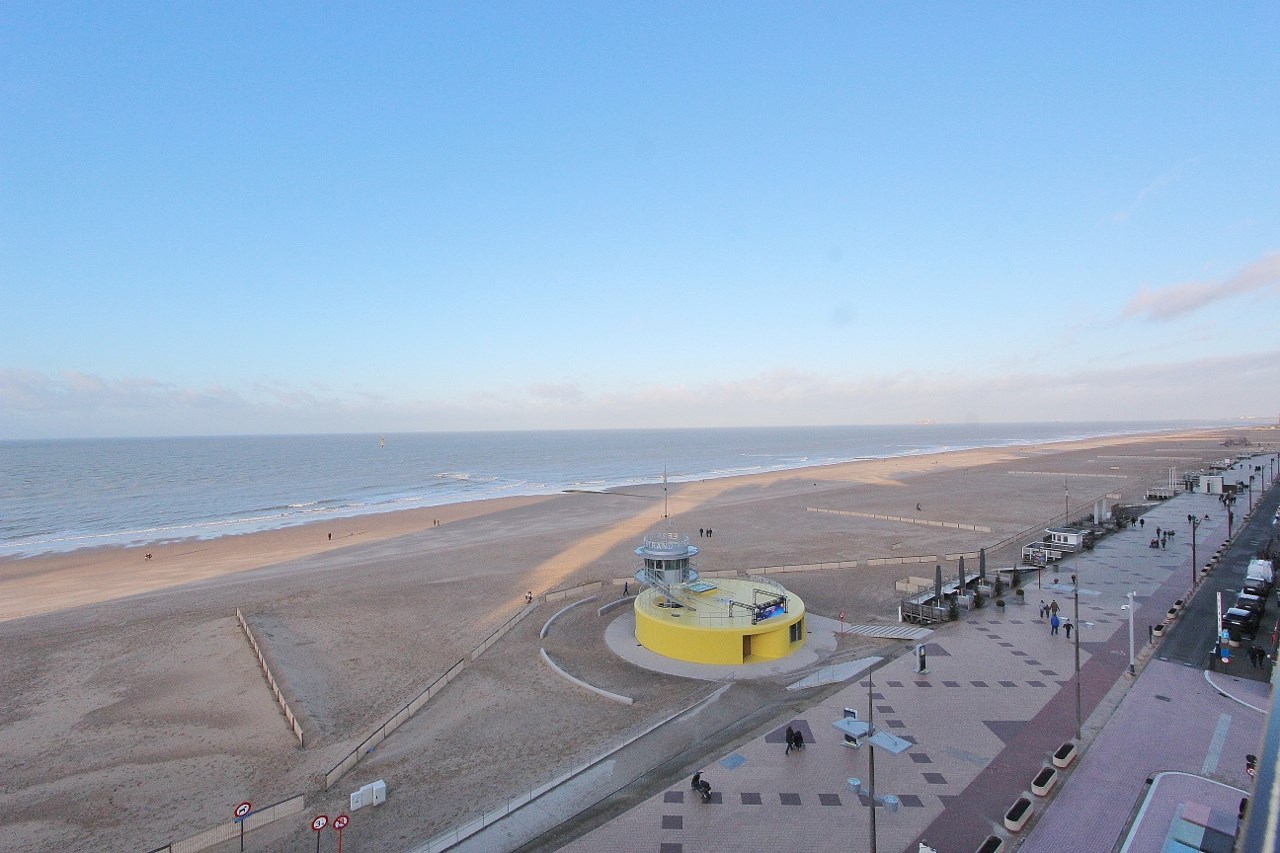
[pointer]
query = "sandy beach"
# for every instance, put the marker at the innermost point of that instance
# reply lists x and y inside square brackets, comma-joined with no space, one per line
[133,712]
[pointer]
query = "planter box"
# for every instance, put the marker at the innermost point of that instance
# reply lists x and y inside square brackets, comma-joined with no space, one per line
[1065,755]
[993,844]
[1168,619]
[1044,781]
[1017,815]
[1158,630]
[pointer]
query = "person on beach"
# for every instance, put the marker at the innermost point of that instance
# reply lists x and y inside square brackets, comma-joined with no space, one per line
[528,597]
[791,740]
[330,537]
[1053,625]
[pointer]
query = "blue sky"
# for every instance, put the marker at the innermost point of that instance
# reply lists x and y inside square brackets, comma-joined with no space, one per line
[256,218]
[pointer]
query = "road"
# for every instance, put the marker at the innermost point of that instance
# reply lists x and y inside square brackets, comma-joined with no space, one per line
[1194,633]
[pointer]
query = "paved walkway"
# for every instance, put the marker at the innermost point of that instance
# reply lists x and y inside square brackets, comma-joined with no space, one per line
[999,697]
[998,700]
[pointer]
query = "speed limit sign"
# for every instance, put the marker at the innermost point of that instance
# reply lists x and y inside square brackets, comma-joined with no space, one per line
[320,822]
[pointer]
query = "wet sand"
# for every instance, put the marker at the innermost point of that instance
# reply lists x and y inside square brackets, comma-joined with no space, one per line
[134,714]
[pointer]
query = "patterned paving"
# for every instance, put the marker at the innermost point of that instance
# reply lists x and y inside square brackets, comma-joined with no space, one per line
[998,699]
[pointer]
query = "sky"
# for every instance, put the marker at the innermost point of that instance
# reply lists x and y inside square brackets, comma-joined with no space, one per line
[246,218]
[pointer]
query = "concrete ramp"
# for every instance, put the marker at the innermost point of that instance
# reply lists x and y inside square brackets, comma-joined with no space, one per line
[836,673]
[889,632]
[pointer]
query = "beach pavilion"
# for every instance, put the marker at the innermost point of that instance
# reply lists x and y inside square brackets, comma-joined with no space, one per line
[725,620]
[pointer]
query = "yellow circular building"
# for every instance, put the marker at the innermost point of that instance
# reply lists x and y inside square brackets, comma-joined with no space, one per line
[726,621]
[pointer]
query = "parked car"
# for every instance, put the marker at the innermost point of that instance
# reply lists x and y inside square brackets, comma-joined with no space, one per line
[1241,622]
[1253,603]
[1257,586]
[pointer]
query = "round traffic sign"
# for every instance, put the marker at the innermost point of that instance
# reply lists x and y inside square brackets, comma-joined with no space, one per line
[340,821]
[244,808]
[320,822]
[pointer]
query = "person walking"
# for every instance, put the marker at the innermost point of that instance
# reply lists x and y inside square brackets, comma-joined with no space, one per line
[1067,624]
[799,739]
[791,740]
[1053,607]
[1044,608]
[1053,625]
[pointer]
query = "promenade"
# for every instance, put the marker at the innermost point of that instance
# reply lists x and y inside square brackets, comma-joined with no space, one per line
[1163,753]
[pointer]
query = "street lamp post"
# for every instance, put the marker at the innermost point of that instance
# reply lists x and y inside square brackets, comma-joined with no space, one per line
[894,744]
[1128,607]
[1250,493]
[1195,524]
[1075,579]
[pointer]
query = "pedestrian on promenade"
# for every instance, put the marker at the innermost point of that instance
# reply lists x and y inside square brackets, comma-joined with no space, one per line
[1044,608]
[626,587]
[791,740]
[799,739]
[1053,607]
[1053,625]
[1067,624]
[1142,522]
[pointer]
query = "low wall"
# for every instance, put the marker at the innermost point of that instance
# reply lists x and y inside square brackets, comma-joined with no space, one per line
[271,679]
[616,697]
[399,717]
[546,628]
[925,522]
[581,589]
[507,626]
[394,722]
[231,829]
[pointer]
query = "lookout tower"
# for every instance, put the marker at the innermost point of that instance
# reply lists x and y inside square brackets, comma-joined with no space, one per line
[731,621]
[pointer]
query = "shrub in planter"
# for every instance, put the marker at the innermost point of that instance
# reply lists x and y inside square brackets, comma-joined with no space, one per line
[1065,755]
[1000,603]
[1017,815]
[1044,781]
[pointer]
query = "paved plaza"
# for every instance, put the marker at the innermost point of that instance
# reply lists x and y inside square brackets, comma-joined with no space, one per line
[1164,753]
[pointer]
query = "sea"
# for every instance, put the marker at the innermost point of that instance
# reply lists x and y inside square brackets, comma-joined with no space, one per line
[66,494]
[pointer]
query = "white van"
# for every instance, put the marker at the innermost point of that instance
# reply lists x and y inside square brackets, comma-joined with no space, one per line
[1261,570]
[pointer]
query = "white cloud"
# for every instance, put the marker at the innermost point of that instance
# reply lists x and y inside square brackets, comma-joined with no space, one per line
[36,405]
[1262,276]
